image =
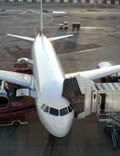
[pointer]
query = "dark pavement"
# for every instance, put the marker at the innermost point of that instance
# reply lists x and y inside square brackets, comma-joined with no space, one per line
[100,32]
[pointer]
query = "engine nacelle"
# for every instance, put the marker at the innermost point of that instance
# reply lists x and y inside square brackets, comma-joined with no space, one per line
[4,99]
[104,64]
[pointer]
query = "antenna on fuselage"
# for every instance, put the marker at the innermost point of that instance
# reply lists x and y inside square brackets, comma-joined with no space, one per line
[41,17]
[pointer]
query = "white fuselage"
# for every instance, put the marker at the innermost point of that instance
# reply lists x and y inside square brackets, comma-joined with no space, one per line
[48,79]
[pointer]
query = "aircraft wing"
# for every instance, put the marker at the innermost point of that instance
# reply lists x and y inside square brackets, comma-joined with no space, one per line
[97,73]
[25,80]
[59,37]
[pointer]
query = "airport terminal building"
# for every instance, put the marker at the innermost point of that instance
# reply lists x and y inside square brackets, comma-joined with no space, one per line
[108,2]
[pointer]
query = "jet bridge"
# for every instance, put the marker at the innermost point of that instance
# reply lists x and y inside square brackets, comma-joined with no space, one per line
[77,91]
[72,92]
[88,97]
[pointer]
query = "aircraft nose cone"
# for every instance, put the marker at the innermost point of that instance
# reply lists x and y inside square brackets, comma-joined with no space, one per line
[58,126]
[62,125]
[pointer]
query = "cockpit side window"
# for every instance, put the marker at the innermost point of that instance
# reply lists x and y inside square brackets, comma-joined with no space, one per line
[53,111]
[63,111]
[45,108]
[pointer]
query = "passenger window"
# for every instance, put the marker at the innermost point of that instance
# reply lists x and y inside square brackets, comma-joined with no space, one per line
[54,111]
[63,111]
[70,108]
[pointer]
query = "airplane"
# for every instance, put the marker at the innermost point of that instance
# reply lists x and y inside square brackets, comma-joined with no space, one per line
[54,110]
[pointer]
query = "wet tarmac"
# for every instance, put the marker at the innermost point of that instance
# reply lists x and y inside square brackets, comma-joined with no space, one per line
[98,40]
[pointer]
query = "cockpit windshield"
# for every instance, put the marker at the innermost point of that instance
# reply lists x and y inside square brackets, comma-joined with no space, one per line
[64,111]
[56,112]
[53,111]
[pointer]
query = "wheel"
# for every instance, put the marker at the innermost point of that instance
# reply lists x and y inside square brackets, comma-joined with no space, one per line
[16,123]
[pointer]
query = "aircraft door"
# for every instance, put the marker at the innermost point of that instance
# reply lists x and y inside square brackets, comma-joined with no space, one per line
[103,101]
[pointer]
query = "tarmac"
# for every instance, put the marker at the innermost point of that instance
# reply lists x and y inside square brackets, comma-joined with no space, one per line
[98,40]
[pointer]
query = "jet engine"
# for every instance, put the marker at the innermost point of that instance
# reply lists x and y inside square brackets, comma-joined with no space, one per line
[4,99]
[104,64]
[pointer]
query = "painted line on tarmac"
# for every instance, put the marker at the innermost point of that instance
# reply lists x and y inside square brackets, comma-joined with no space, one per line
[97,28]
[22,13]
[81,51]
[37,12]
[33,11]
[117,37]
[13,10]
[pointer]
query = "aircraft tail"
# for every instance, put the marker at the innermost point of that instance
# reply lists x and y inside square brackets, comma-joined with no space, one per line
[41,30]
[41,17]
